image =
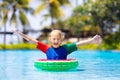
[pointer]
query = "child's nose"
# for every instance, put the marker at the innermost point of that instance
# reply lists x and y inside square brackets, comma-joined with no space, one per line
[56,40]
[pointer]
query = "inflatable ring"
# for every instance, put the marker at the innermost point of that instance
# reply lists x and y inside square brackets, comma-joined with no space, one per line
[56,65]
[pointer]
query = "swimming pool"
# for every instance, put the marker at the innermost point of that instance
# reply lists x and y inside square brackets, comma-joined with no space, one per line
[93,65]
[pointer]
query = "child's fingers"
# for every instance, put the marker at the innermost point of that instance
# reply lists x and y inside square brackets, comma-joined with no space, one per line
[97,39]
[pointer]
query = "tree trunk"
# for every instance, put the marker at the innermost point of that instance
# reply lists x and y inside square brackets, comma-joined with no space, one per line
[4,39]
[25,32]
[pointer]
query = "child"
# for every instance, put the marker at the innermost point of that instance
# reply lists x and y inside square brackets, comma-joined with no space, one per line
[58,51]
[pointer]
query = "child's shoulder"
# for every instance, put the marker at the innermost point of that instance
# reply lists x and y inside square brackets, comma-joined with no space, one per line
[69,45]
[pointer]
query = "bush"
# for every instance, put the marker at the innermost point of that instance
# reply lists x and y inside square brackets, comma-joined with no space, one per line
[18,46]
[88,46]
[28,46]
[102,46]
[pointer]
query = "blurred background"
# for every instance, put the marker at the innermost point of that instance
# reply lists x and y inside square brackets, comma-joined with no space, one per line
[78,20]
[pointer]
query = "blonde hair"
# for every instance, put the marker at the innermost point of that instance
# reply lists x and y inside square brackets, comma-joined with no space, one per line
[56,32]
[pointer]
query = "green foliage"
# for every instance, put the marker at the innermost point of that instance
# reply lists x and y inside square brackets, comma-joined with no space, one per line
[88,46]
[102,46]
[98,13]
[55,10]
[105,14]
[64,2]
[18,46]
[5,17]
[23,2]
[28,46]
[23,18]
[40,8]
[99,16]
[20,5]
[113,39]
[53,7]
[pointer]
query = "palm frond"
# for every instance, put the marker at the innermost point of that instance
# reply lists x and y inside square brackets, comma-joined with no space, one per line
[13,19]
[64,2]
[5,17]
[4,5]
[23,2]
[46,16]
[40,8]
[23,18]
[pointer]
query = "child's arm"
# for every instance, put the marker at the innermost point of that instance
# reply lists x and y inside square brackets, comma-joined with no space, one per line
[26,36]
[96,39]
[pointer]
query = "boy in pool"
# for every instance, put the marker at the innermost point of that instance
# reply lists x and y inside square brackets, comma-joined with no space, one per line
[58,51]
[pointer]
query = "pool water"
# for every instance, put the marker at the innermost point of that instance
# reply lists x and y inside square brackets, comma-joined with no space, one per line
[93,65]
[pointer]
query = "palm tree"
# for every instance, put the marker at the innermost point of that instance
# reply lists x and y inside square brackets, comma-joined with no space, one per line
[18,8]
[53,7]
[4,16]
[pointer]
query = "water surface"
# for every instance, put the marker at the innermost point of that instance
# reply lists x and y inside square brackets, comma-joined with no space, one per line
[93,65]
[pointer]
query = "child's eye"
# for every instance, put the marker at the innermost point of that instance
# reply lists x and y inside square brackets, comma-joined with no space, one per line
[53,38]
[58,39]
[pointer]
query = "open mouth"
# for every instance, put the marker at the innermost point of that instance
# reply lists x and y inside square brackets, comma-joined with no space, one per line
[55,43]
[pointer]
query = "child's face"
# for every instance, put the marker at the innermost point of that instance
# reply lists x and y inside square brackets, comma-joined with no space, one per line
[55,40]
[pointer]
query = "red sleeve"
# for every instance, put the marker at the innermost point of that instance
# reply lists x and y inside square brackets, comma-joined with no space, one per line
[41,46]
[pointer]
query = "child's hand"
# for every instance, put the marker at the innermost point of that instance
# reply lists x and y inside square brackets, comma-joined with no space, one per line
[96,39]
[14,31]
